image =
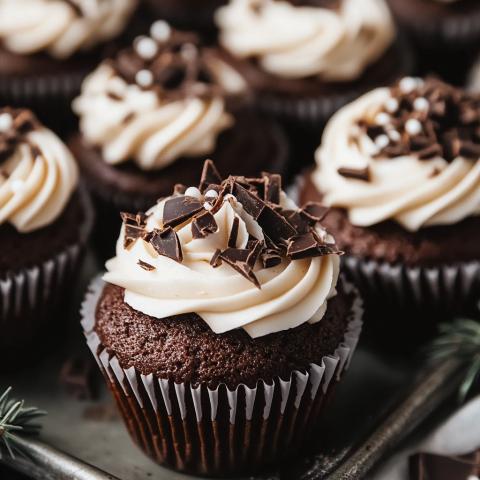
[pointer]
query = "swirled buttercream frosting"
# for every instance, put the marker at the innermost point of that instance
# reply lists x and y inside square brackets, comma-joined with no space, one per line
[158,101]
[239,253]
[61,27]
[410,153]
[37,172]
[333,40]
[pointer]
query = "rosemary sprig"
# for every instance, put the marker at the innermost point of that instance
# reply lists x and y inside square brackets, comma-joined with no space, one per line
[460,339]
[15,418]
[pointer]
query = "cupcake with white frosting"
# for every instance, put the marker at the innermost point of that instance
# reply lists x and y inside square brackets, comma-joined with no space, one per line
[150,116]
[223,324]
[48,46]
[305,59]
[401,167]
[44,225]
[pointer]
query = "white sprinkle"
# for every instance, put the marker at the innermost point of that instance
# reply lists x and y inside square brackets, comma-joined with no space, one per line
[160,30]
[408,84]
[211,194]
[394,135]
[420,104]
[17,185]
[146,47]
[193,192]
[382,141]
[413,126]
[144,78]
[382,118]
[391,105]
[228,196]
[207,206]
[189,52]
[6,121]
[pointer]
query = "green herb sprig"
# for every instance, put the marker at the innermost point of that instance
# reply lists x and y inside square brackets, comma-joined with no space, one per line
[461,339]
[15,418]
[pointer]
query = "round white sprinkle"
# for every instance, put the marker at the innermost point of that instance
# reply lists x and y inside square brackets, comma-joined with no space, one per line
[193,192]
[211,194]
[160,30]
[146,47]
[382,141]
[391,105]
[17,185]
[144,78]
[413,126]
[420,104]
[382,118]
[408,84]
[189,52]
[6,121]
[394,135]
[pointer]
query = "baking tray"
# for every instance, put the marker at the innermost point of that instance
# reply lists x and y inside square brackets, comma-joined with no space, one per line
[379,403]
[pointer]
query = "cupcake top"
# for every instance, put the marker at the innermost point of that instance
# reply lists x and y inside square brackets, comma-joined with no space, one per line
[61,27]
[37,172]
[158,101]
[238,252]
[335,40]
[410,153]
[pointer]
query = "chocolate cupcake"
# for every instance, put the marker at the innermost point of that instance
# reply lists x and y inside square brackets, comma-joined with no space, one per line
[47,48]
[401,168]
[221,330]
[44,224]
[444,32]
[306,59]
[149,118]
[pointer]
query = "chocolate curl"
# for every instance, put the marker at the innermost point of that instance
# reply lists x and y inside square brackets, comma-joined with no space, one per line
[210,176]
[166,243]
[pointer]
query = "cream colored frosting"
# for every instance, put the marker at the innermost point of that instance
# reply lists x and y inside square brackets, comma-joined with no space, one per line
[298,41]
[30,26]
[34,190]
[127,122]
[415,193]
[291,294]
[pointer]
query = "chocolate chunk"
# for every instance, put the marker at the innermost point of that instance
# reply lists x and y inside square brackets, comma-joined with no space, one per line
[358,174]
[166,243]
[114,96]
[76,378]
[330,249]
[273,187]
[418,143]
[210,175]
[396,149]
[232,239]
[128,218]
[314,212]
[275,226]
[470,150]
[215,262]
[298,222]
[303,246]
[433,150]
[180,209]
[243,261]
[270,258]
[373,131]
[251,203]
[141,219]
[146,266]
[203,225]
[179,190]
[451,145]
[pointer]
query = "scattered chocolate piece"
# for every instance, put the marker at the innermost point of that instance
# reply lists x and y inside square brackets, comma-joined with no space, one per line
[166,243]
[210,176]
[300,223]
[215,259]
[358,174]
[251,203]
[273,187]
[115,97]
[243,261]
[232,239]
[180,209]
[314,212]
[275,226]
[303,246]
[203,225]
[146,266]
[270,258]
[76,378]
[141,219]
[133,230]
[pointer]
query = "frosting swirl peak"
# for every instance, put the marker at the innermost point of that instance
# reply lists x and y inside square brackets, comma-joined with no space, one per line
[238,253]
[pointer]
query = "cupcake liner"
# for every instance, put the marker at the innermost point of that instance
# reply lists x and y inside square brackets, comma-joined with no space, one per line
[219,432]
[314,112]
[32,299]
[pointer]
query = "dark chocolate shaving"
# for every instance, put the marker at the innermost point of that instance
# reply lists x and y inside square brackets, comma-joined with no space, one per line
[251,203]
[273,187]
[232,239]
[215,262]
[210,176]
[180,209]
[275,226]
[179,189]
[146,266]
[270,258]
[203,225]
[314,212]
[299,222]
[358,174]
[166,243]
[303,246]
[134,227]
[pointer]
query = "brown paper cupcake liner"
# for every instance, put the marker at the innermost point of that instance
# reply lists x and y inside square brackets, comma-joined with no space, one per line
[314,112]
[33,299]
[220,432]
